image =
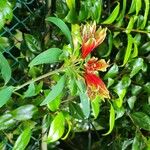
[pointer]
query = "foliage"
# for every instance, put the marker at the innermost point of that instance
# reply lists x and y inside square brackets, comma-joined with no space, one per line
[67,98]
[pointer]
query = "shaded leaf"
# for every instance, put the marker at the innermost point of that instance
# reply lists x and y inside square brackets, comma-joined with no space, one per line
[30,91]
[142,120]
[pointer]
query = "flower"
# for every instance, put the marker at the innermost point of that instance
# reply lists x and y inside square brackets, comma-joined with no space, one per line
[96,65]
[95,86]
[91,38]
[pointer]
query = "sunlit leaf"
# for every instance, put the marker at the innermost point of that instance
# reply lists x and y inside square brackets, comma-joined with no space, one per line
[112,17]
[56,90]
[128,50]
[24,112]
[85,104]
[23,140]
[57,128]
[63,27]
[5,68]
[5,95]
[111,120]
[49,56]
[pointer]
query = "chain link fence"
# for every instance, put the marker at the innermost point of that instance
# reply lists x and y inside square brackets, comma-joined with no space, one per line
[28,16]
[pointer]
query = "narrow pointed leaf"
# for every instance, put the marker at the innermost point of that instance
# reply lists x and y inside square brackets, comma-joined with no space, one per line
[23,140]
[49,56]
[63,27]
[112,17]
[111,120]
[5,68]
[5,95]
[56,90]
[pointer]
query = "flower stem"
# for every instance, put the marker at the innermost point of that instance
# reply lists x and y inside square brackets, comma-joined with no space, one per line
[38,78]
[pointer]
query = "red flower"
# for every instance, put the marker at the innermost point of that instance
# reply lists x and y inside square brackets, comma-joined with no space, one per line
[95,86]
[91,38]
[96,65]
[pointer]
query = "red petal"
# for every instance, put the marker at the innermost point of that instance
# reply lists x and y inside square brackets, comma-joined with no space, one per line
[88,47]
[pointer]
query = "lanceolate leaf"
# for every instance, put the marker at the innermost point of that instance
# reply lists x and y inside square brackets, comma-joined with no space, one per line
[147,2]
[5,95]
[63,27]
[128,50]
[5,68]
[49,56]
[85,104]
[23,140]
[56,90]
[112,17]
[57,128]
[111,120]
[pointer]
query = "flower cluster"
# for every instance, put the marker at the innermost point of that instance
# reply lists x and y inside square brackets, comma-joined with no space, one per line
[90,40]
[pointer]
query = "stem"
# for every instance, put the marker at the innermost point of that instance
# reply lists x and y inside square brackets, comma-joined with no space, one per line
[133,30]
[38,78]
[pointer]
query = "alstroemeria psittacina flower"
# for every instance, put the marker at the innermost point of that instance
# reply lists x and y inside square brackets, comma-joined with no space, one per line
[95,85]
[96,65]
[91,38]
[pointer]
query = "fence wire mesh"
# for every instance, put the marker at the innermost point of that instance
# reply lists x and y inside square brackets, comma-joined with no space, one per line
[27,16]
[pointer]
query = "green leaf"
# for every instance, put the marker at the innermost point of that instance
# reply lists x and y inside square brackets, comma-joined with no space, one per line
[70,4]
[110,43]
[132,7]
[54,105]
[126,143]
[63,27]
[130,24]
[49,56]
[32,43]
[56,90]
[142,120]
[145,48]
[137,142]
[23,140]
[128,50]
[122,14]
[138,64]
[121,89]
[25,112]
[85,104]
[111,120]
[112,17]
[147,2]
[6,121]
[30,91]
[57,128]
[95,107]
[5,68]
[113,71]
[2,21]
[138,6]
[131,102]
[5,95]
